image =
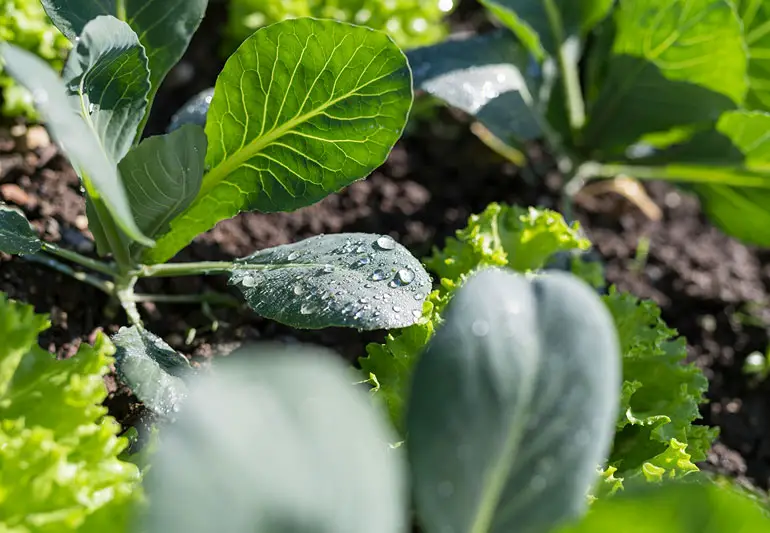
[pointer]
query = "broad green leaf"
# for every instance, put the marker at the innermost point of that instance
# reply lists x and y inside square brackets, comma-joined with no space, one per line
[741,212]
[76,138]
[487,77]
[277,439]
[194,111]
[755,15]
[350,279]
[16,234]
[513,405]
[674,63]
[303,108]
[675,508]
[153,370]
[543,32]
[162,176]
[164,27]
[106,75]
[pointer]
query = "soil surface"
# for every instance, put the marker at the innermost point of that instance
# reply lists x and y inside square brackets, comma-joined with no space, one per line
[712,289]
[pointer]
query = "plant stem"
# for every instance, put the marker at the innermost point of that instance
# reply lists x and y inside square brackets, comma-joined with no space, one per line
[105,286]
[215,298]
[190,269]
[124,290]
[726,175]
[81,260]
[116,242]
[569,71]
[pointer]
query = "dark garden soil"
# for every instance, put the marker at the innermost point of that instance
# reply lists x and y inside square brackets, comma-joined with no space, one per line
[712,289]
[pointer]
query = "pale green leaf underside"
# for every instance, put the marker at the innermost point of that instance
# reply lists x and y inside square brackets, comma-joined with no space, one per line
[152,369]
[755,15]
[674,63]
[16,235]
[162,176]
[302,109]
[164,27]
[350,280]
[72,134]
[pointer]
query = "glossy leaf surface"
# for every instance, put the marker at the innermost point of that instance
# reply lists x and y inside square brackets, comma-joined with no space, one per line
[755,15]
[513,405]
[302,109]
[16,234]
[277,439]
[352,279]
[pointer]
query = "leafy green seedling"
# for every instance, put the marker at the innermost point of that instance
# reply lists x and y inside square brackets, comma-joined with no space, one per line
[674,90]
[302,109]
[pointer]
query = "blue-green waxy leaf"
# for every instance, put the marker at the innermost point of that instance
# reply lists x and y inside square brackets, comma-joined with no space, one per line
[162,176]
[302,109]
[755,15]
[513,405]
[194,111]
[352,280]
[674,64]
[76,137]
[164,27]
[106,75]
[277,440]
[16,235]
[543,32]
[486,76]
[152,369]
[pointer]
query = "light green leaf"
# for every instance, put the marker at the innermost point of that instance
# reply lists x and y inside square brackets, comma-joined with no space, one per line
[16,234]
[278,439]
[106,75]
[350,279]
[162,176]
[543,32]
[303,108]
[164,27]
[485,76]
[513,405]
[675,508]
[755,15]
[76,138]
[674,63]
[153,370]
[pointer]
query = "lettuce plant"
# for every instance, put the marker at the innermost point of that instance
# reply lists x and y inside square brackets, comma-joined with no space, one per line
[512,406]
[303,108]
[25,23]
[677,90]
[59,466]
[660,395]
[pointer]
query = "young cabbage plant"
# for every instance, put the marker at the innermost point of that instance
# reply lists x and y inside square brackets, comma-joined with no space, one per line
[302,109]
[511,410]
[675,90]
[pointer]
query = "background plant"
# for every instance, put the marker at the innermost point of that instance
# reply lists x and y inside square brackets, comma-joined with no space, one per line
[652,89]
[655,436]
[24,23]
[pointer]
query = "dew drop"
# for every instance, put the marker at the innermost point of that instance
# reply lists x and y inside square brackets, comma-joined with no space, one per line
[248,281]
[292,256]
[298,290]
[480,328]
[416,313]
[368,286]
[378,275]
[328,268]
[386,243]
[418,296]
[306,309]
[396,309]
[405,276]
[362,261]
[361,249]
[91,108]
[363,300]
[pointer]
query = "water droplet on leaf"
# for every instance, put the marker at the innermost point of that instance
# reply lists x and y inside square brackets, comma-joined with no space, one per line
[386,243]
[378,275]
[298,290]
[292,256]
[480,328]
[405,276]
[306,309]
[396,309]
[248,281]
[362,261]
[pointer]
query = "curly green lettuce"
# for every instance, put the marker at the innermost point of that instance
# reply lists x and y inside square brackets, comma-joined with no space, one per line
[59,466]
[655,438]
[411,23]
[25,24]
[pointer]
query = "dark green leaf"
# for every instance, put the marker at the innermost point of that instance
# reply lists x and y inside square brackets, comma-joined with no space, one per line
[162,176]
[755,15]
[303,108]
[541,33]
[678,508]
[76,138]
[674,63]
[194,111]
[165,27]
[106,75]
[152,369]
[16,235]
[487,77]
[277,440]
[351,279]
[513,405]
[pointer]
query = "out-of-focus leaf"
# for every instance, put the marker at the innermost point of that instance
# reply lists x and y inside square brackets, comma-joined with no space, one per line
[16,234]
[755,15]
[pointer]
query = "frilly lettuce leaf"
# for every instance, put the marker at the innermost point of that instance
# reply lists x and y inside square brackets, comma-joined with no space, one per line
[656,438]
[59,467]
